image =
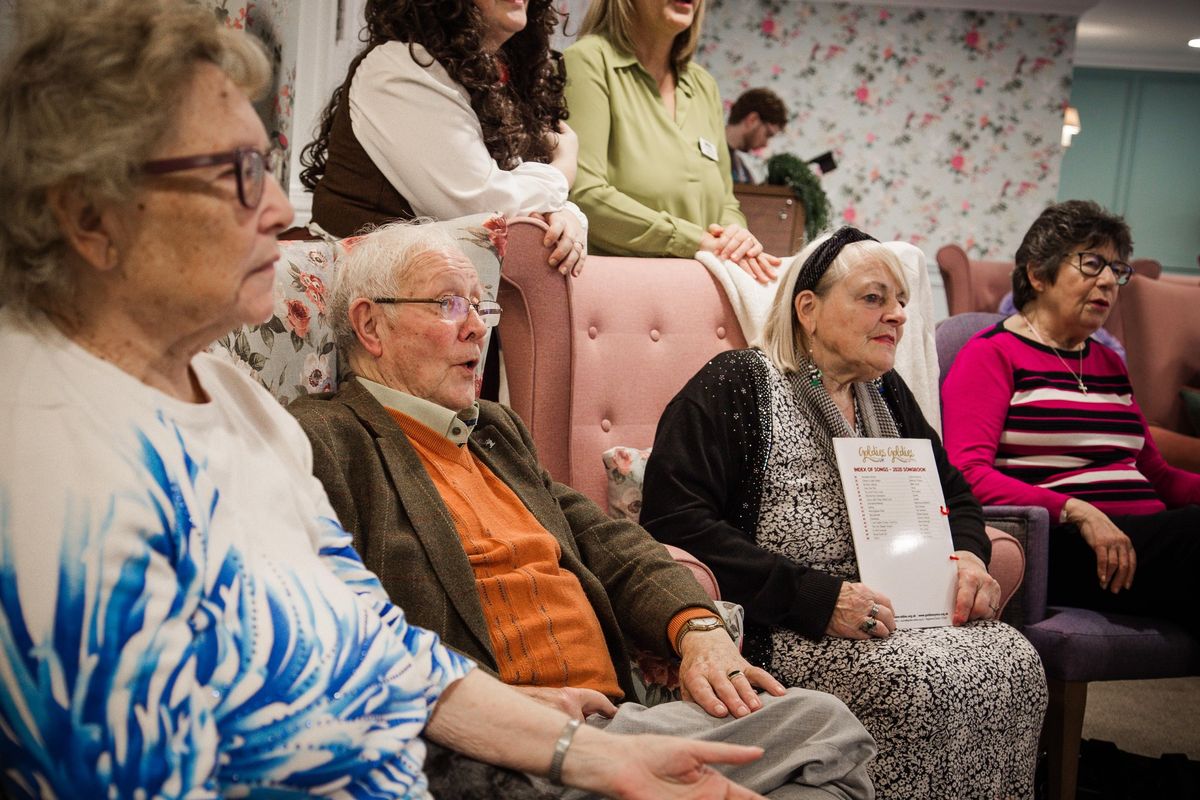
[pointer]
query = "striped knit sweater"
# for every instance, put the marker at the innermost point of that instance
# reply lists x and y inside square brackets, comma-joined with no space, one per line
[1020,429]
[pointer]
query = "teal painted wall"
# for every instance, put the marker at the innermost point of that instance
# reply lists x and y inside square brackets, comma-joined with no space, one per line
[1139,155]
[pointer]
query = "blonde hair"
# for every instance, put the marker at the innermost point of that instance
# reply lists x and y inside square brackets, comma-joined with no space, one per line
[783,339]
[616,20]
[91,88]
[376,265]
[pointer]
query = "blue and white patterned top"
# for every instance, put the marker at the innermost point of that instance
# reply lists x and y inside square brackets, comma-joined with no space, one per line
[181,615]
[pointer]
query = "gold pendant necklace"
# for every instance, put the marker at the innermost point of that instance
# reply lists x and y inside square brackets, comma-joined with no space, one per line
[1078,377]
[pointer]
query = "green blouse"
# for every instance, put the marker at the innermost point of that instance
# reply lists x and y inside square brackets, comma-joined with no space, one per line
[650,185]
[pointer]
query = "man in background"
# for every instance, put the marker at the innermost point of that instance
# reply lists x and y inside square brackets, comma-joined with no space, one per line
[755,117]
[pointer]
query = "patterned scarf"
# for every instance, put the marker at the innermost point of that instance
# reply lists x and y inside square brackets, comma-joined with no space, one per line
[874,416]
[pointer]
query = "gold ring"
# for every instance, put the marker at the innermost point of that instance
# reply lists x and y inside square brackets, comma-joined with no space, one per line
[733,673]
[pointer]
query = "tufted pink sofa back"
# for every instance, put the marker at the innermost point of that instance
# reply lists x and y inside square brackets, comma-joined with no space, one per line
[628,331]
[592,361]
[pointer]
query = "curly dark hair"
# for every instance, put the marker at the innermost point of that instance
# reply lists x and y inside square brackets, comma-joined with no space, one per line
[1055,233]
[515,117]
[770,108]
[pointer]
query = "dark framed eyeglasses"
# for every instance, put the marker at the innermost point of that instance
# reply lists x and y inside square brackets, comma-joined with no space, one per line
[454,308]
[251,168]
[1092,264]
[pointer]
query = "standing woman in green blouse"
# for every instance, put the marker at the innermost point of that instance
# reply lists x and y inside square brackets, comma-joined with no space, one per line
[653,172]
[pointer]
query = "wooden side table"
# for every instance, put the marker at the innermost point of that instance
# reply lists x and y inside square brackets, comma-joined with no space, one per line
[774,214]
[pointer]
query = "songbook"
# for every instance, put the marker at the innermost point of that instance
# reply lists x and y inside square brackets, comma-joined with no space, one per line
[901,526]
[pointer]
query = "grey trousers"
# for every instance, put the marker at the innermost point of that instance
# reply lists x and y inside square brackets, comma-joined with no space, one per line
[814,747]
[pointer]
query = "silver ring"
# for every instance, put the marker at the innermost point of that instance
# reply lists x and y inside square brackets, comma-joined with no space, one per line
[874,612]
[868,624]
[578,245]
[733,673]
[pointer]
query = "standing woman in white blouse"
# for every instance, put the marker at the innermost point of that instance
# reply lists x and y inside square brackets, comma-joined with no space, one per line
[454,107]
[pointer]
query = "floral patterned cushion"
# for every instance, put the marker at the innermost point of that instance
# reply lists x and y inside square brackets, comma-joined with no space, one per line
[659,677]
[626,469]
[293,353]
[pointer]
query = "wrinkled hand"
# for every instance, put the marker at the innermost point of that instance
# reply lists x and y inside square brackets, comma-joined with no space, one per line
[574,701]
[978,593]
[666,767]
[736,244]
[1116,560]
[566,236]
[706,661]
[853,608]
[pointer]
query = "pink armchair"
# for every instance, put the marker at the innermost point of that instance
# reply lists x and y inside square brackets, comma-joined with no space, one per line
[972,285]
[1163,349]
[592,361]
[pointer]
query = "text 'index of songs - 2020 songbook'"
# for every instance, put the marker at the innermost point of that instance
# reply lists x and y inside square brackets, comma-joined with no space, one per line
[901,526]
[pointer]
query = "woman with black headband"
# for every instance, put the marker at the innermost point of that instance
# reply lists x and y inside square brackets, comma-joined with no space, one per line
[743,476]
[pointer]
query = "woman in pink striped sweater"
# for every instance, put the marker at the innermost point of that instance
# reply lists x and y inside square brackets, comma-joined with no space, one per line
[1036,412]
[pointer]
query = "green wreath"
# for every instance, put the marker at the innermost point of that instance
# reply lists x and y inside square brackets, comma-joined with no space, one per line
[785,169]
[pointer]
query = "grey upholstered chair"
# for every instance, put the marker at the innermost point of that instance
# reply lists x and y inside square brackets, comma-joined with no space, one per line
[1077,645]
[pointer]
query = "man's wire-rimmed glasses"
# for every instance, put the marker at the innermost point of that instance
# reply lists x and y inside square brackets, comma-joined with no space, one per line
[454,308]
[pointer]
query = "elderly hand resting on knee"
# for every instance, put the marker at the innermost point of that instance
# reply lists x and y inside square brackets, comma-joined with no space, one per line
[1116,560]
[714,675]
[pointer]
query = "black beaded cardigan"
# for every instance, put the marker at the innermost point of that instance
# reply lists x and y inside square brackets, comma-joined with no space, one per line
[704,481]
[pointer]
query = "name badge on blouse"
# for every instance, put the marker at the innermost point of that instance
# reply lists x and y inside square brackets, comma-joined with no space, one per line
[708,149]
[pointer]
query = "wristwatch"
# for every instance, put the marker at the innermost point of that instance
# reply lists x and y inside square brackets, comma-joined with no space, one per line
[697,624]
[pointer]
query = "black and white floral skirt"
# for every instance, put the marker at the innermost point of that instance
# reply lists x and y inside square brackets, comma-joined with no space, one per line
[956,712]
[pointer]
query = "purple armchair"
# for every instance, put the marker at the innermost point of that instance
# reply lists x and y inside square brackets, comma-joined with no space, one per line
[1077,645]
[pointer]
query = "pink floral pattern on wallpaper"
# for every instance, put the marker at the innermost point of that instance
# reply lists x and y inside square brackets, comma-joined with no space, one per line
[276,23]
[945,124]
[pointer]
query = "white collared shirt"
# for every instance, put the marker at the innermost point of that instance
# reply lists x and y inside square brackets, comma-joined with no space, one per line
[455,426]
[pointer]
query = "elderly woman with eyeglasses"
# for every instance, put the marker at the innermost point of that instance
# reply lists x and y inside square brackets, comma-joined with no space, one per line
[180,612]
[1038,412]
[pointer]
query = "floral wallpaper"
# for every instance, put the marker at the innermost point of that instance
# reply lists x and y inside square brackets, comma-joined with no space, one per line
[945,124]
[277,24]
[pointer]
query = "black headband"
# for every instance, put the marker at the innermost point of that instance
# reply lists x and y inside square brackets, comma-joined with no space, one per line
[818,262]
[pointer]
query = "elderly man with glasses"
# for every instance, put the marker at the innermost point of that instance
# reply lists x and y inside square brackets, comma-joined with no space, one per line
[447,503]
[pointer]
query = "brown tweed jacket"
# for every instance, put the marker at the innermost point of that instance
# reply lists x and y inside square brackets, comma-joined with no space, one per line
[404,533]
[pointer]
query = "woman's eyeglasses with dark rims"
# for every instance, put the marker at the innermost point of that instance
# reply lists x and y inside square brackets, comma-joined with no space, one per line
[1092,264]
[251,168]
[454,308]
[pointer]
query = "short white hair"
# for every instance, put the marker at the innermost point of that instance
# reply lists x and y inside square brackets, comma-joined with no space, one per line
[783,339]
[377,264]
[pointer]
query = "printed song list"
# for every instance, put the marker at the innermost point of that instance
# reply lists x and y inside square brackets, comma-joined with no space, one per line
[890,503]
